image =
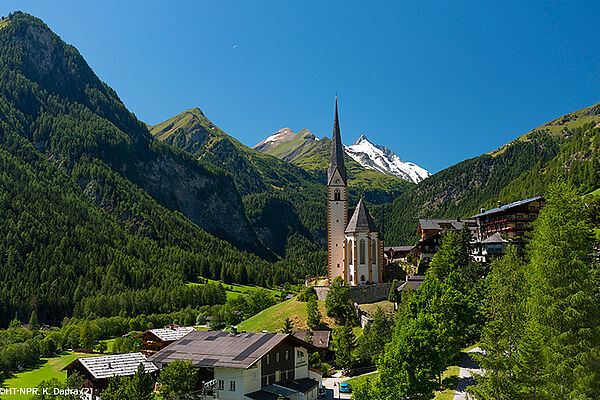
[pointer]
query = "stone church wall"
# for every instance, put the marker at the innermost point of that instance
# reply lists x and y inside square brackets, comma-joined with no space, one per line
[361,294]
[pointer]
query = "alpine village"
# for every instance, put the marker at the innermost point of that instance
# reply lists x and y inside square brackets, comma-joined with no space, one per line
[171,261]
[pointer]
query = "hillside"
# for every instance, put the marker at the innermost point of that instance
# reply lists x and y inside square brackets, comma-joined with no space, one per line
[272,318]
[92,206]
[566,146]
[460,190]
[285,203]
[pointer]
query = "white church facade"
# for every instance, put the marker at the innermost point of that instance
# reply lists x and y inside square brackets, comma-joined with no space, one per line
[355,246]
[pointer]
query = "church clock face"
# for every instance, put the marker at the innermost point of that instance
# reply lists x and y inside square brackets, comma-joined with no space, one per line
[337,180]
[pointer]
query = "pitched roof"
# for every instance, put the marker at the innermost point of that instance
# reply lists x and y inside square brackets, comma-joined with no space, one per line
[398,248]
[114,365]
[319,339]
[263,395]
[170,334]
[361,220]
[495,238]
[336,158]
[302,385]
[441,223]
[223,349]
[508,206]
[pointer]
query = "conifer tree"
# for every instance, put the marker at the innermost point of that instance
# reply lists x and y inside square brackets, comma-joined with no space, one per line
[563,298]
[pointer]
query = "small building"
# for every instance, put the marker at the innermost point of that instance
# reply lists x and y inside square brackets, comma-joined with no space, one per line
[154,340]
[97,370]
[396,254]
[320,339]
[431,232]
[246,365]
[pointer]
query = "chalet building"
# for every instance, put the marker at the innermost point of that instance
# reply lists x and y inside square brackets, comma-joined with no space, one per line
[505,225]
[246,365]
[154,340]
[97,370]
[431,232]
[396,254]
[320,339]
[354,247]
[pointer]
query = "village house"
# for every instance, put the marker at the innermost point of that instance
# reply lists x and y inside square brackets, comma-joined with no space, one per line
[320,339]
[505,224]
[97,370]
[246,365]
[154,340]
[431,231]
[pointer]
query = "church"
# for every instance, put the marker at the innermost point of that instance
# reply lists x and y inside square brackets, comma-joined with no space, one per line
[354,248]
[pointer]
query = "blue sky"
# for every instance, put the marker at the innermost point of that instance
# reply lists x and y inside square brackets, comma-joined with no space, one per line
[437,82]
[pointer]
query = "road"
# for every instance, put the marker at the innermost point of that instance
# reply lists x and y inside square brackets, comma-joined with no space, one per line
[468,367]
[332,385]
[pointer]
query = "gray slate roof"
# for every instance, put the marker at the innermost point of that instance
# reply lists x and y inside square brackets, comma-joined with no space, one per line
[320,339]
[115,365]
[222,349]
[508,206]
[495,238]
[435,223]
[171,334]
[361,220]
[336,158]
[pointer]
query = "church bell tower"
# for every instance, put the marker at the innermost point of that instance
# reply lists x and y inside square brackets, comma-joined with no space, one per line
[337,206]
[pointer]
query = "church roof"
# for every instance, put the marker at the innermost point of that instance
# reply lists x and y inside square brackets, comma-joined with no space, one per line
[336,159]
[361,220]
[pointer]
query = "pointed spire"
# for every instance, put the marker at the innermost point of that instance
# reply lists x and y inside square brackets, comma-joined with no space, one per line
[361,220]
[336,159]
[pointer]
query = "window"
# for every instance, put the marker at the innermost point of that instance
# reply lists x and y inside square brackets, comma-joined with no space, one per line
[299,354]
[362,251]
[350,251]
[276,357]
[362,277]
[221,384]
[374,255]
[287,354]
[268,359]
[232,386]
[337,195]
[350,277]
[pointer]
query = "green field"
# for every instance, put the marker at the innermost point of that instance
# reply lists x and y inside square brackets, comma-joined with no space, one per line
[273,317]
[48,368]
[234,290]
[370,308]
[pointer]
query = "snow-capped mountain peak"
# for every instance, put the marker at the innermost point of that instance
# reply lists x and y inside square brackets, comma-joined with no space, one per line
[384,160]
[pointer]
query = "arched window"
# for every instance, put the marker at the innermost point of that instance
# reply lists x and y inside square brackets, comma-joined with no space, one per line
[374,253]
[350,276]
[362,277]
[362,251]
[337,195]
[350,259]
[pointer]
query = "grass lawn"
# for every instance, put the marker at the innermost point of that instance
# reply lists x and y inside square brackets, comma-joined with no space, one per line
[449,382]
[370,308]
[48,368]
[234,290]
[362,378]
[273,317]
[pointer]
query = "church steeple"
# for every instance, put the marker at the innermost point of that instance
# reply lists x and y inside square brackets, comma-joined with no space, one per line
[336,159]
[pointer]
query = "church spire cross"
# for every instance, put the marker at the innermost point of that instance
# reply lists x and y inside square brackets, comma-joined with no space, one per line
[336,160]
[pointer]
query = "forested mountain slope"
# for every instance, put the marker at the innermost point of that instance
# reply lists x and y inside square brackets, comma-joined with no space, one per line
[523,168]
[92,206]
[285,203]
[460,190]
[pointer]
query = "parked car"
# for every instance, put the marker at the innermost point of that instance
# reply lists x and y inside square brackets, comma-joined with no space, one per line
[345,388]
